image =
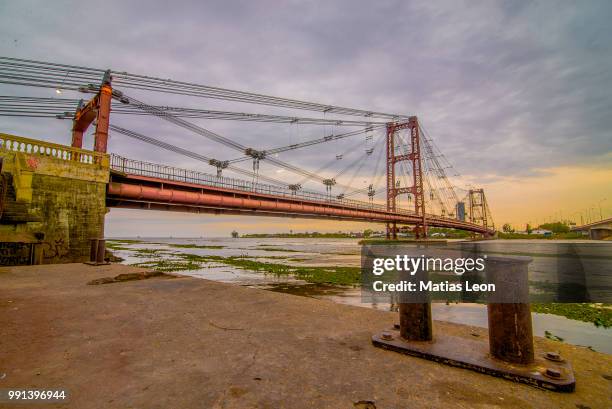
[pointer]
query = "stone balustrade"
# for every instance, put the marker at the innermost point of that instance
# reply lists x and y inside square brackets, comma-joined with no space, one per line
[36,147]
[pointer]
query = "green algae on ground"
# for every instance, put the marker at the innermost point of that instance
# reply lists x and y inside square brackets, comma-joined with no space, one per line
[552,336]
[599,314]
[268,247]
[168,266]
[117,244]
[185,262]
[291,258]
[194,246]
[149,252]
[332,275]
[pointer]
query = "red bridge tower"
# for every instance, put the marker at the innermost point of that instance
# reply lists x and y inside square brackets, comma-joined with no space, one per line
[416,189]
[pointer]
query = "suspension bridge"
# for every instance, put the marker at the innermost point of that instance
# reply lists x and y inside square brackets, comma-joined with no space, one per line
[408,184]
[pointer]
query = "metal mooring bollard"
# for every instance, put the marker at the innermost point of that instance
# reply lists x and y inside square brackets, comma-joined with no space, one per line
[93,252]
[101,251]
[97,252]
[415,321]
[510,352]
[415,313]
[510,328]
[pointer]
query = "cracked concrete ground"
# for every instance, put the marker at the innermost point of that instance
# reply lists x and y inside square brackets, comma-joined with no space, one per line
[193,343]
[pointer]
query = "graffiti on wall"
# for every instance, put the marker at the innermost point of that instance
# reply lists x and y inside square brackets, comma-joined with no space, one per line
[55,249]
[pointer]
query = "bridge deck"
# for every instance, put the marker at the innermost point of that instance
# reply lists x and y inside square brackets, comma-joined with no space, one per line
[604,223]
[143,185]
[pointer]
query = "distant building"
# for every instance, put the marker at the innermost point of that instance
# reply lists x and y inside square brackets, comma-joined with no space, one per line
[460,211]
[542,232]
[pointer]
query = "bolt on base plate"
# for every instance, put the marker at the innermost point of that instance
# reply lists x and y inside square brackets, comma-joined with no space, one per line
[549,371]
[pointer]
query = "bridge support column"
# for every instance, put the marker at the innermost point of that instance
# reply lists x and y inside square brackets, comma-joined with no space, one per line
[77,138]
[392,231]
[478,208]
[393,188]
[98,108]
[104,108]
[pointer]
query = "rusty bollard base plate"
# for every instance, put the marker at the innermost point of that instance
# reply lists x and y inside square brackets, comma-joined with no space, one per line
[555,375]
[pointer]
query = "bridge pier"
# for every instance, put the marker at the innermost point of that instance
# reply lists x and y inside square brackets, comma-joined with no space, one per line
[54,201]
[392,231]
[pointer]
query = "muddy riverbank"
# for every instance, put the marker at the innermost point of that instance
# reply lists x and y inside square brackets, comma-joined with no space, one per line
[327,269]
[187,342]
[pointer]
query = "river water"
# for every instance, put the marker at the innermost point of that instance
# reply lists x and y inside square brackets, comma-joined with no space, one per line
[339,252]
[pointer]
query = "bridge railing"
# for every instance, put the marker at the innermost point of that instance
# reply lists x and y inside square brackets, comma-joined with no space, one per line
[141,168]
[14,143]
[158,171]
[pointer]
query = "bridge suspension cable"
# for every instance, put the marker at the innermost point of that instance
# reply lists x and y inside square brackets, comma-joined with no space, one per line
[160,113]
[53,107]
[325,139]
[53,75]
[257,155]
[368,152]
[194,155]
[49,107]
[188,153]
[373,188]
[15,71]
[361,160]
[37,73]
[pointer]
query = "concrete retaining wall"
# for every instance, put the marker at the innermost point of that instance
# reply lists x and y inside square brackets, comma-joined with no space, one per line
[51,204]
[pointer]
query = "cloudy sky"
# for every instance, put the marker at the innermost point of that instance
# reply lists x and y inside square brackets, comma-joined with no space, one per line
[517,95]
